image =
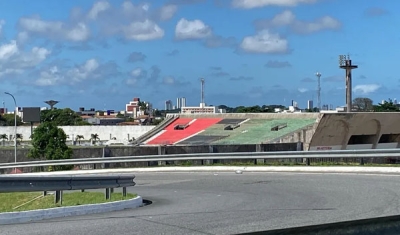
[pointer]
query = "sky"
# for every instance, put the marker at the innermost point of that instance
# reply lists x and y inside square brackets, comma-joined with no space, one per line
[102,54]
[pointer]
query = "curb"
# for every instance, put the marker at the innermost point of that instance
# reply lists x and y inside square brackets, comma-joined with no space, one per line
[266,169]
[36,215]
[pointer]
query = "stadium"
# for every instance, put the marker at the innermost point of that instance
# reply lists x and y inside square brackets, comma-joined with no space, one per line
[317,131]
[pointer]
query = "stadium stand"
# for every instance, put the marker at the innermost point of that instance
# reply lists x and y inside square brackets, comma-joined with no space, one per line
[182,128]
[255,130]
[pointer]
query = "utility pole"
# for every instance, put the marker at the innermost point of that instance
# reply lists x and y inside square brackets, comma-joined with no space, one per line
[345,63]
[318,90]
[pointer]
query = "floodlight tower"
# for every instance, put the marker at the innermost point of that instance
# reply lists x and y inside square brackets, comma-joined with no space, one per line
[318,74]
[51,103]
[345,63]
[202,81]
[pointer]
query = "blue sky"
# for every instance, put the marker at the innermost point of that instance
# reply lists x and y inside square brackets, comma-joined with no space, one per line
[101,54]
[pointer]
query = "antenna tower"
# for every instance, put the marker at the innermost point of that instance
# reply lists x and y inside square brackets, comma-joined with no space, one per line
[202,81]
[318,90]
[345,63]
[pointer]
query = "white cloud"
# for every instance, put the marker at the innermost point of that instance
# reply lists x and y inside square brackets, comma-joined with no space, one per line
[195,29]
[55,29]
[136,75]
[98,8]
[8,50]
[366,88]
[249,4]
[143,31]
[167,12]
[59,74]
[302,90]
[323,23]
[287,18]
[169,80]
[50,77]
[14,61]
[264,42]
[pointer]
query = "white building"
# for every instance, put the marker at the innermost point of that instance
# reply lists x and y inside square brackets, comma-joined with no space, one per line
[202,109]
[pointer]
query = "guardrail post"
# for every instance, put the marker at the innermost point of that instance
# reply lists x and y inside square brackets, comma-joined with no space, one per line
[58,197]
[106,153]
[108,194]
[124,191]
[161,151]
[209,162]
[82,190]
[361,161]
[44,193]
[259,161]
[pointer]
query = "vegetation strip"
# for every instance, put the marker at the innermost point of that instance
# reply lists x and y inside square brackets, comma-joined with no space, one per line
[11,202]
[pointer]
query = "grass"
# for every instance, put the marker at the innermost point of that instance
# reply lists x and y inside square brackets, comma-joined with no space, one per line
[34,200]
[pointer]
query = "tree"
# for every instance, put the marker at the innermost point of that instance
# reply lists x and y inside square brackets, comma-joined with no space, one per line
[3,137]
[362,104]
[19,137]
[8,120]
[79,138]
[49,142]
[94,138]
[387,106]
[62,117]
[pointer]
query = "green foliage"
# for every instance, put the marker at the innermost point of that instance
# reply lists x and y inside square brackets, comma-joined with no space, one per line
[94,138]
[362,104]
[62,117]
[8,120]
[48,143]
[157,121]
[387,106]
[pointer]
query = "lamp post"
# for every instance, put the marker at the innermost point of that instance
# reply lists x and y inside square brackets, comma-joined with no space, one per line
[15,128]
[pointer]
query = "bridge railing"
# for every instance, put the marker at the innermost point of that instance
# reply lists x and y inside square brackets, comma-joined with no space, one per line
[257,156]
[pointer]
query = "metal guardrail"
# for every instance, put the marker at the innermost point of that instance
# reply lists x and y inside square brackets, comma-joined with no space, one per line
[21,183]
[370,153]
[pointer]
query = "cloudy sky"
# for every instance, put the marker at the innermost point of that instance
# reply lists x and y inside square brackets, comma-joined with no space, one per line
[101,54]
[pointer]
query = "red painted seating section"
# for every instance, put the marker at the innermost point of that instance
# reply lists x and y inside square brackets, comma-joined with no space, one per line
[171,136]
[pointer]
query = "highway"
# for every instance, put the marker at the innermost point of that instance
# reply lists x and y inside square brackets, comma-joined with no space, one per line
[229,203]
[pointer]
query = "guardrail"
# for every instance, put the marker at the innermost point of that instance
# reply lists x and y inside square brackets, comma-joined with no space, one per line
[374,153]
[21,183]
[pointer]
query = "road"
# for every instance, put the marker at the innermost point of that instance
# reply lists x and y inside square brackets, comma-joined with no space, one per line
[229,203]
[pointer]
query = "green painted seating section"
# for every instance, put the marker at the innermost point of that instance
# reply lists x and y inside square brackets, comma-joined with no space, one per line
[256,130]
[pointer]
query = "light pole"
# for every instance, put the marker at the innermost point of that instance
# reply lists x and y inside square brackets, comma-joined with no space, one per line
[15,128]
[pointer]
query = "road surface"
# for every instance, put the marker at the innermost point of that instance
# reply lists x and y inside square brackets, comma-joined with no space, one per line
[229,203]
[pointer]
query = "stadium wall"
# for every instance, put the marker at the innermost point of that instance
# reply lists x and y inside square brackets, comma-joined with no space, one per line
[340,131]
[104,132]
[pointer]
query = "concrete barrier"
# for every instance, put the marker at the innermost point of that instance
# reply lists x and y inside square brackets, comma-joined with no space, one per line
[36,215]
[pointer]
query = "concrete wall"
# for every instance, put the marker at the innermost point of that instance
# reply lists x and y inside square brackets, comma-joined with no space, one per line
[104,132]
[7,155]
[334,130]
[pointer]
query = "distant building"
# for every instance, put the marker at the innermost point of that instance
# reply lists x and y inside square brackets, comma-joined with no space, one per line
[132,108]
[201,109]
[180,102]
[103,120]
[310,104]
[83,112]
[168,105]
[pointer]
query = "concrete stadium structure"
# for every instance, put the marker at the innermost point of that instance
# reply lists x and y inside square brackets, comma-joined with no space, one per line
[317,131]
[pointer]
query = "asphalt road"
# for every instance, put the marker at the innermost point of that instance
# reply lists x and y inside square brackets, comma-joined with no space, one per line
[229,203]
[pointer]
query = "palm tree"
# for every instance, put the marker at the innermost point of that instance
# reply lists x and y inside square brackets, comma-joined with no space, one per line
[19,137]
[79,138]
[94,138]
[143,107]
[4,137]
